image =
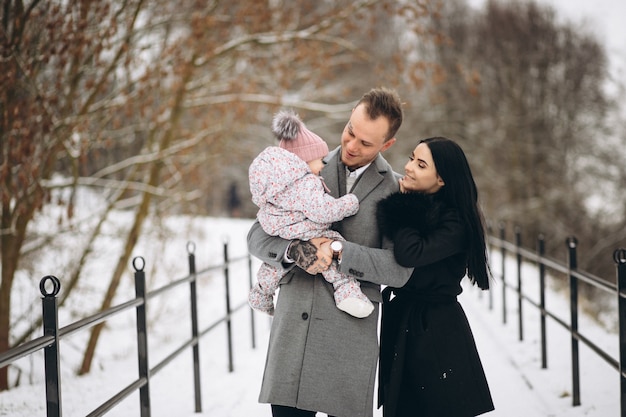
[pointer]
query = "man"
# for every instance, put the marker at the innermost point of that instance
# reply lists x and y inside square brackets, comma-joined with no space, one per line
[320,358]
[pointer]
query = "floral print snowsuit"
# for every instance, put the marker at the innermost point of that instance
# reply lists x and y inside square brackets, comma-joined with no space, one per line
[294,204]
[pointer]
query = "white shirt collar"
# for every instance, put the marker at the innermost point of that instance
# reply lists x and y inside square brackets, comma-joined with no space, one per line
[357,172]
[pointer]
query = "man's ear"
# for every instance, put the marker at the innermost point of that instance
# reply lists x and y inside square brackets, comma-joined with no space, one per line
[388,144]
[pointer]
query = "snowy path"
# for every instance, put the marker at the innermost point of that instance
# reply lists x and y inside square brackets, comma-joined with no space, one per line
[518,384]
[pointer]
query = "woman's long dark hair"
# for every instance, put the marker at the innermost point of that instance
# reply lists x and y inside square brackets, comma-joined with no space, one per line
[460,192]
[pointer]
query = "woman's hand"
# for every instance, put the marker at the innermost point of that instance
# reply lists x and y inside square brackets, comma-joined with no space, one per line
[402,189]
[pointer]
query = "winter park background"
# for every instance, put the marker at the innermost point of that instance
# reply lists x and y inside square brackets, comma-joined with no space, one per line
[105,150]
[519,386]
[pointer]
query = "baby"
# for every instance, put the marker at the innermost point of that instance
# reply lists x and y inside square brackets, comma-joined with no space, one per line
[294,203]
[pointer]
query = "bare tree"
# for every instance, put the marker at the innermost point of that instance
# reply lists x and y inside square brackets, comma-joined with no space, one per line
[525,94]
[58,70]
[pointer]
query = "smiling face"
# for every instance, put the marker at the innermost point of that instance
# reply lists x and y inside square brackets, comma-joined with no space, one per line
[421,173]
[363,138]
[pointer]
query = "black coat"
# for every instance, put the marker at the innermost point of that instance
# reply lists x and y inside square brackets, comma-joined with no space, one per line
[429,365]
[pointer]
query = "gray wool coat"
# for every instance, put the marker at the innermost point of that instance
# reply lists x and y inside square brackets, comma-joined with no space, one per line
[320,358]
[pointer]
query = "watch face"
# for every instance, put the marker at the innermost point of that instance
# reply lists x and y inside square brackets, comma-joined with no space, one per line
[336,246]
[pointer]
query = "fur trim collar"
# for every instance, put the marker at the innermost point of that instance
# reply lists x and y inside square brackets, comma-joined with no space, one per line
[413,210]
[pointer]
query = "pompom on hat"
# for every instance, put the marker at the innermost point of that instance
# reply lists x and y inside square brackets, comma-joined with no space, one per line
[296,138]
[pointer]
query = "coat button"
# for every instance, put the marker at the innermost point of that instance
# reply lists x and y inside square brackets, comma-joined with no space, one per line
[305,316]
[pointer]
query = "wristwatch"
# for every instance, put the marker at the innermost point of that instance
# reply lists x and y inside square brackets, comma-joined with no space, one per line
[337,247]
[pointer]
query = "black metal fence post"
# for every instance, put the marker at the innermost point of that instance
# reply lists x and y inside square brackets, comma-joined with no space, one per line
[229,332]
[51,352]
[573,285]
[520,313]
[503,254]
[191,248]
[541,248]
[142,336]
[620,259]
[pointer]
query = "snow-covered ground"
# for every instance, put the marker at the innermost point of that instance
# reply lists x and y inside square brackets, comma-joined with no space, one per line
[519,386]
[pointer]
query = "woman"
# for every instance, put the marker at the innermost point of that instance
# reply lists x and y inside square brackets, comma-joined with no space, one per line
[429,364]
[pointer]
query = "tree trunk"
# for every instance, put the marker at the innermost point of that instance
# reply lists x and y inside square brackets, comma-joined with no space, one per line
[140,217]
[131,241]
[10,246]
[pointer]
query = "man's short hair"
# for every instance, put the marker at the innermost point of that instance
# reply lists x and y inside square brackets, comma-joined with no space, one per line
[384,102]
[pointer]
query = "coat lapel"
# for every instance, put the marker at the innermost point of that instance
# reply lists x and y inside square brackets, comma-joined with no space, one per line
[368,181]
[336,178]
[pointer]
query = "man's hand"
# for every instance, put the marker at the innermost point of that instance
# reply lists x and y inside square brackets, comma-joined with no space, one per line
[314,256]
[324,254]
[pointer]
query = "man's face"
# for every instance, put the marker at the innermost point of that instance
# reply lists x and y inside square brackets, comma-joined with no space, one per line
[362,138]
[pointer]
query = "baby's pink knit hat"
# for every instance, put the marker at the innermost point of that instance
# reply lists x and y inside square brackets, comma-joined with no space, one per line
[295,137]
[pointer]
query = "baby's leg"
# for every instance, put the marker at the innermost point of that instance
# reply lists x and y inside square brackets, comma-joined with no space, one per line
[261,296]
[348,294]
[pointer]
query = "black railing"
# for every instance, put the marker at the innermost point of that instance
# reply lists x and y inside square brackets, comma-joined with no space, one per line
[570,270]
[51,340]
[52,335]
